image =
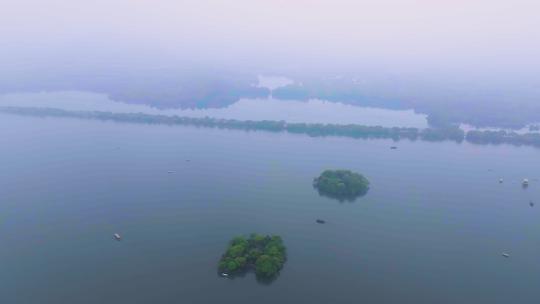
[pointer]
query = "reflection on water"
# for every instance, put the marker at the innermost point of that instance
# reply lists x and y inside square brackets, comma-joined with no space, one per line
[312,111]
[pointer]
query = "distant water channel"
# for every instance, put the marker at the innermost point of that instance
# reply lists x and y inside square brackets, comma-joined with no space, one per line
[312,111]
[432,228]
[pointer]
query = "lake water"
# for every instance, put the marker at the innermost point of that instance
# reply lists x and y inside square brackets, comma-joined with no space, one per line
[431,229]
[312,111]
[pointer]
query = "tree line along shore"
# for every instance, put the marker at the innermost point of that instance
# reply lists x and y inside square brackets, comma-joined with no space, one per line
[312,129]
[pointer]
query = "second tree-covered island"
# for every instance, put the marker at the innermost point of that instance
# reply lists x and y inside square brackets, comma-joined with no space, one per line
[341,184]
[263,253]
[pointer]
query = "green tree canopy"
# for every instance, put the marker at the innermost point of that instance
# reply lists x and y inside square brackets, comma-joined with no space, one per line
[264,253]
[341,184]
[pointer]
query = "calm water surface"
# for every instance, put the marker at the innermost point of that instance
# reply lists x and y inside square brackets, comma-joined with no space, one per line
[431,229]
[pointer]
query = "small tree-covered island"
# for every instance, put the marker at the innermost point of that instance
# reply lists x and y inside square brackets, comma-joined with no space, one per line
[263,253]
[341,184]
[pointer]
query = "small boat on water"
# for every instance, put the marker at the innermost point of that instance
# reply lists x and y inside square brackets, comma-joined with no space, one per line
[393,148]
[525,182]
[171,172]
[117,236]
[500,180]
[506,255]
[225,275]
[319,221]
[531,204]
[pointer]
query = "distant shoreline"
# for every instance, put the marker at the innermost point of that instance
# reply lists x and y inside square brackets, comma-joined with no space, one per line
[312,129]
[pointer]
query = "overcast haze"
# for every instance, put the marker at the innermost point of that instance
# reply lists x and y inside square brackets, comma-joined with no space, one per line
[388,34]
[269,152]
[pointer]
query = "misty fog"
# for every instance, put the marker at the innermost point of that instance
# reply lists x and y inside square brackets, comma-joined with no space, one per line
[434,57]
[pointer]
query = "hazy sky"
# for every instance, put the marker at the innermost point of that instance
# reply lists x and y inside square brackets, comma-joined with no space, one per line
[423,34]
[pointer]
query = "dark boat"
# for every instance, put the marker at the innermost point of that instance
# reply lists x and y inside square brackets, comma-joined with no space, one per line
[393,147]
[319,221]
[531,204]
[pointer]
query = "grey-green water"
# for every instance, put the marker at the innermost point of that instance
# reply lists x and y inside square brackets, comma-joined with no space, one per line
[431,229]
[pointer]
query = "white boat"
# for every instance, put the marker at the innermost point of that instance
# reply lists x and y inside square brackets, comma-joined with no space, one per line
[500,180]
[117,236]
[226,275]
[506,255]
[525,182]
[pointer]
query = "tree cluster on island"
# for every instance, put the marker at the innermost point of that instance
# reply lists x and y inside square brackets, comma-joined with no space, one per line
[341,184]
[263,253]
